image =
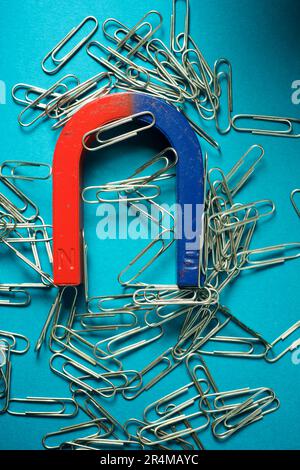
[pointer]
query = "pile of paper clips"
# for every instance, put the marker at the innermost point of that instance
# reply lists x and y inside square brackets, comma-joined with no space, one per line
[141,315]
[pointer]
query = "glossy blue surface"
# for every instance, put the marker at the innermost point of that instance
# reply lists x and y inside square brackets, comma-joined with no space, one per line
[261,39]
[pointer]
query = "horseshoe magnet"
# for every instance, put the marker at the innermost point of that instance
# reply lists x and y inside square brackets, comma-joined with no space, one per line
[68,156]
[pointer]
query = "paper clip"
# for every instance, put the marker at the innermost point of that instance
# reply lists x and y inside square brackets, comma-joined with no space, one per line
[88,379]
[174,44]
[116,63]
[250,263]
[12,339]
[113,353]
[63,107]
[46,94]
[15,211]
[159,428]
[165,408]
[5,376]
[284,121]
[250,413]
[120,138]
[123,30]
[81,340]
[240,163]
[29,90]
[59,63]
[218,76]
[14,297]
[50,316]
[165,361]
[15,165]
[132,33]
[282,337]
[219,222]
[95,423]
[60,413]
[167,156]
[87,323]
[115,303]
[132,278]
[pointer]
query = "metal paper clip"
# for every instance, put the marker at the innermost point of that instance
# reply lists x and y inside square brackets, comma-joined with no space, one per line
[139,25]
[14,297]
[64,303]
[201,366]
[33,90]
[5,376]
[85,373]
[19,213]
[201,132]
[95,423]
[94,410]
[59,63]
[172,70]
[88,324]
[221,402]
[115,303]
[165,408]
[45,277]
[244,409]
[52,312]
[171,295]
[240,163]
[12,339]
[115,62]
[249,263]
[112,353]
[63,108]
[128,193]
[45,95]
[191,340]
[83,342]
[218,76]
[219,222]
[113,140]
[62,404]
[122,30]
[15,165]
[247,347]
[160,426]
[163,244]
[139,424]
[166,360]
[283,337]
[287,123]
[175,46]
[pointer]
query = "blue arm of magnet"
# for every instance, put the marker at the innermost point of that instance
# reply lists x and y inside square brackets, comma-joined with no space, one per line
[190,184]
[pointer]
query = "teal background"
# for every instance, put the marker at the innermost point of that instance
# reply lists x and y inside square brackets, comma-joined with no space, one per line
[261,39]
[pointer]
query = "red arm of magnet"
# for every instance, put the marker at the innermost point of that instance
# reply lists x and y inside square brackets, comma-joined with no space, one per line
[67,243]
